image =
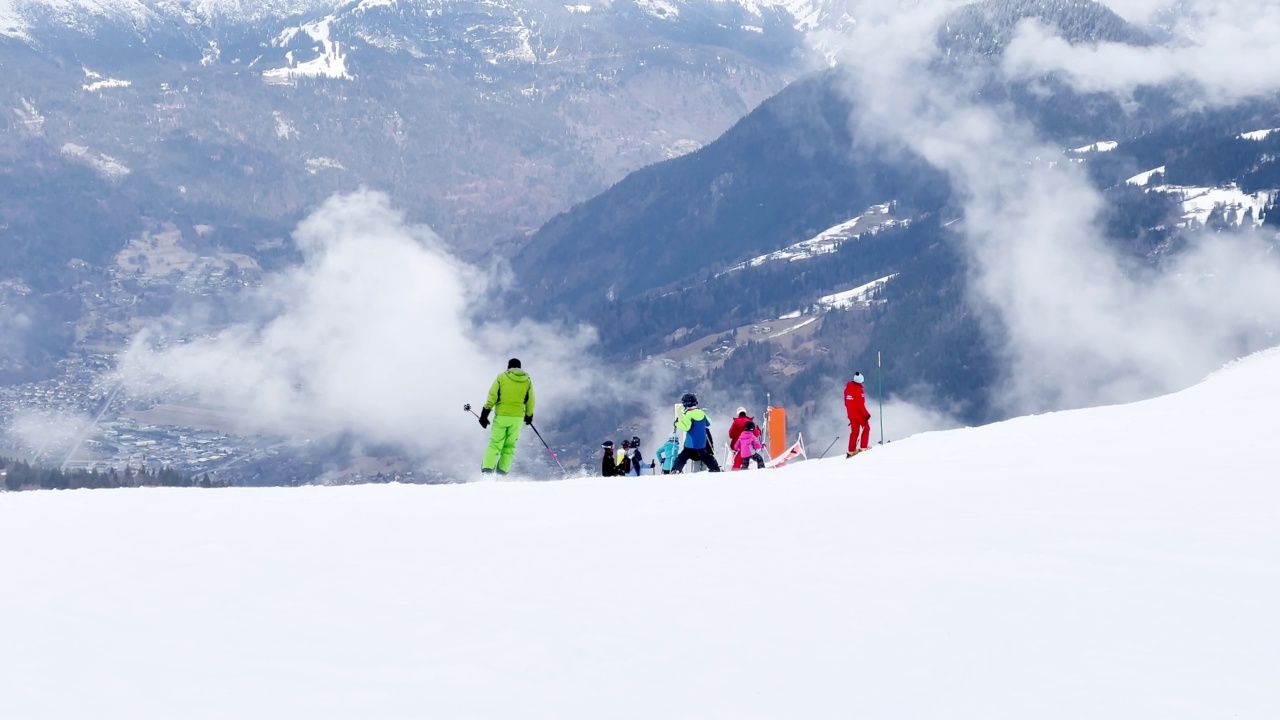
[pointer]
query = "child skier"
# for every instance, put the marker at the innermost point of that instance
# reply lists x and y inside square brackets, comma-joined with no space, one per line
[623,459]
[637,462]
[740,421]
[668,452]
[748,448]
[608,468]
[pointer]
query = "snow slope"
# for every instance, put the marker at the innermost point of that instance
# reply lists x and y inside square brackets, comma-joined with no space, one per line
[1102,146]
[1198,203]
[875,219]
[1119,562]
[1258,135]
[856,296]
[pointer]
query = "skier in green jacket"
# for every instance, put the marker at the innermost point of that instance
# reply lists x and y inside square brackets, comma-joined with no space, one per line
[511,401]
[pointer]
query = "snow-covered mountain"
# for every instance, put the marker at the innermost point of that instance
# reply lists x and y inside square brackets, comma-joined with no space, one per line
[19,17]
[486,116]
[218,124]
[986,27]
[1095,563]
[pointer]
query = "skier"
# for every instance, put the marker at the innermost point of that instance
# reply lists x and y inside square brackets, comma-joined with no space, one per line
[697,435]
[747,448]
[623,459]
[511,400]
[740,420]
[855,406]
[637,462]
[608,468]
[668,452]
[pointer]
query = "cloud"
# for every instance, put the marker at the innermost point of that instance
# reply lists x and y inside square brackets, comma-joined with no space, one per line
[46,436]
[1225,50]
[14,325]
[1077,323]
[1140,12]
[381,335]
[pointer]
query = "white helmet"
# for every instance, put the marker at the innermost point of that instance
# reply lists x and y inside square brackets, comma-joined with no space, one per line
[857,377]
[740,412]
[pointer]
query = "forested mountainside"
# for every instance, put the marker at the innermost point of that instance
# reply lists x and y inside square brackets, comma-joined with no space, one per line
[790,208]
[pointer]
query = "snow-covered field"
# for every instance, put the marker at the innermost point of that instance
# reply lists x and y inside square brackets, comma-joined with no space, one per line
[331,62]
[857,296]
[874,220]
[1119,562]
[1103,146]
[1198,203]
[107,166]
[1259,135]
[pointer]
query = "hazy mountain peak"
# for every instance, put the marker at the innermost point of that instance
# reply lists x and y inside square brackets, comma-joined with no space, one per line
[17,17]
[987,27]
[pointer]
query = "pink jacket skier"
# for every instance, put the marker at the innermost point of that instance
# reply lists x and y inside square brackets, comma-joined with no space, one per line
[747,448]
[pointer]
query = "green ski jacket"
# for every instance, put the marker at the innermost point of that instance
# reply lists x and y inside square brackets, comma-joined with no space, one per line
[511,394]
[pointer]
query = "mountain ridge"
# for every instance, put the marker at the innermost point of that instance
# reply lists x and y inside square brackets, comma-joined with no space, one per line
[986,27]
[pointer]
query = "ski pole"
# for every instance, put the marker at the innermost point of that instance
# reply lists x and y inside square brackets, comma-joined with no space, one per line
[833,444]
[880,392]
[549,450]
[467,408]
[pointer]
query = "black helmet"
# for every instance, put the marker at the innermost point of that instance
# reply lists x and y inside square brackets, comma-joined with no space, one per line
[635,441]
[607,444]
[689,400]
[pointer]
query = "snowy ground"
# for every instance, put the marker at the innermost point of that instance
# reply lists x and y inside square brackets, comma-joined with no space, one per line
[1198,203]
[857,296]
[1117,562]
[876,219]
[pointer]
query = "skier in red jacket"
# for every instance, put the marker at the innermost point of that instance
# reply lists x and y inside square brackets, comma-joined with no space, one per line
[855,406]
[740,421]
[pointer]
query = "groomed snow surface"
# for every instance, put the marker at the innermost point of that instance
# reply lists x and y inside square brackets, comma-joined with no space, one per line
[1119,562]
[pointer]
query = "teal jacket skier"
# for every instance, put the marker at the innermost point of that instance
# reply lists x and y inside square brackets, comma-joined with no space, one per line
[511,400]
[668,452]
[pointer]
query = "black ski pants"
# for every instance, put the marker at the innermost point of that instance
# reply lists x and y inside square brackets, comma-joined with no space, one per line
[702,455]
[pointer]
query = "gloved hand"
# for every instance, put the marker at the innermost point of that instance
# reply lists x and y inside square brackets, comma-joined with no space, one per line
[528,419]
[484,418]
[652,465]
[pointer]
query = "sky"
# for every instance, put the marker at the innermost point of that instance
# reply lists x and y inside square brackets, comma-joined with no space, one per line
[1076,323]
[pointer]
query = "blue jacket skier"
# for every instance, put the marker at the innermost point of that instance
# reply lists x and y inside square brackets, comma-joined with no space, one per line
[697,429]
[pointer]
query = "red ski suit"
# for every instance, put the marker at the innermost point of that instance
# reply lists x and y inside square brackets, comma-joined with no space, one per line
[855,406]
[735,431]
